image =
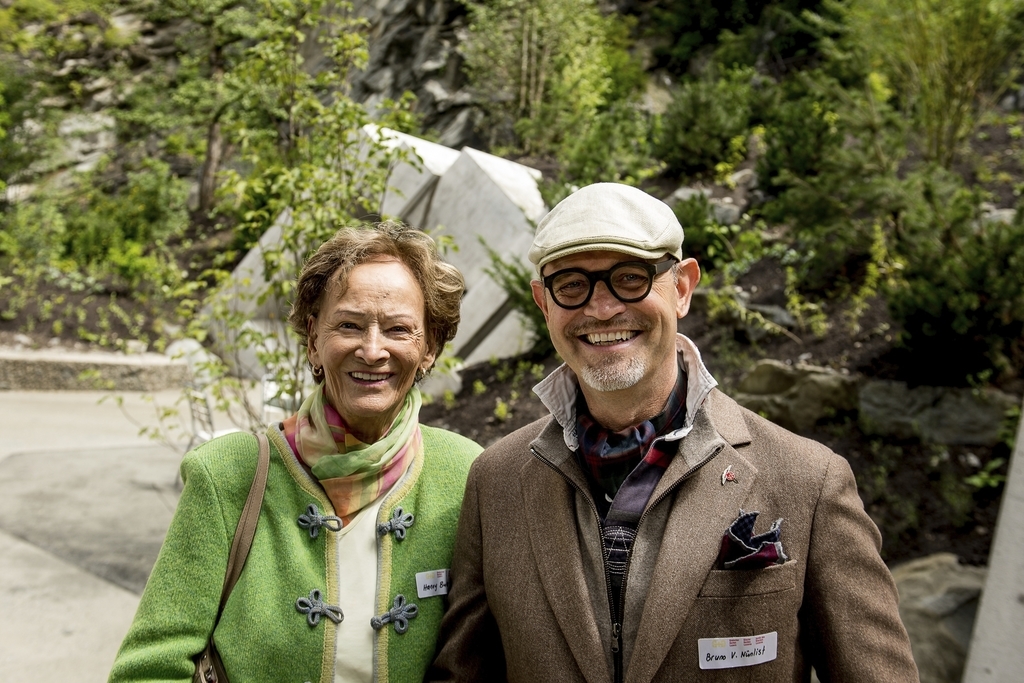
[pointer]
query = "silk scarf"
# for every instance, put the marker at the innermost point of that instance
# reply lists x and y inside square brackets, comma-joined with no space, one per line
[353,473]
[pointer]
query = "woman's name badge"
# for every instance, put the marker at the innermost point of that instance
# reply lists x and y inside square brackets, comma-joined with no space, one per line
[728,653]
[429,584]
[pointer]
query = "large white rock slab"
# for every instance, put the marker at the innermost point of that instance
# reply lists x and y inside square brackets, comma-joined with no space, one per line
[484,197]
[412,182]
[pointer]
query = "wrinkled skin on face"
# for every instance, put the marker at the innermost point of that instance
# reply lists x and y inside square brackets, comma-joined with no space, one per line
[371,340]
[623,354]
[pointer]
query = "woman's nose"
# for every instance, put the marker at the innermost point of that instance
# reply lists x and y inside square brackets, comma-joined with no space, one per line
[371,348]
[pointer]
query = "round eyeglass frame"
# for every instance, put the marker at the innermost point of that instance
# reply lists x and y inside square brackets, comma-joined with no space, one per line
[595,276]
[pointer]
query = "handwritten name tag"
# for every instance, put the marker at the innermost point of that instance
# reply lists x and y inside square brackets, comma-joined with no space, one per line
[429,584]
[728,653]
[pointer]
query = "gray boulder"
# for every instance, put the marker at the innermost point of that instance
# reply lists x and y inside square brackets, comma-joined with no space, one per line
[796,396]
[938,603]
[933,414]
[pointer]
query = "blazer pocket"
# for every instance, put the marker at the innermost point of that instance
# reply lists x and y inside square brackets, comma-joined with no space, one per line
[730,583]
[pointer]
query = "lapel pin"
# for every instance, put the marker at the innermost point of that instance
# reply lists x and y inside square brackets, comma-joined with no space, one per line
[728,475]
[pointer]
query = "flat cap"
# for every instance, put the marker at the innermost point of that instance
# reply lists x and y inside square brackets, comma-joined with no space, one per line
[608,216]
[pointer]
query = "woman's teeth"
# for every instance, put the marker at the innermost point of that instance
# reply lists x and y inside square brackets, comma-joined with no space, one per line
[369,377]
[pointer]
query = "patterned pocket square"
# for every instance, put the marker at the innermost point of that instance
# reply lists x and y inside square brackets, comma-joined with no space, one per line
[742,550]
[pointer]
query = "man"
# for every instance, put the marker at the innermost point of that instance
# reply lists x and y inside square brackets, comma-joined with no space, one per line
[619,538]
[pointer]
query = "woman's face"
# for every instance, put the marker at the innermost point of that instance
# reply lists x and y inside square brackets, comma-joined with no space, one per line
[370,342]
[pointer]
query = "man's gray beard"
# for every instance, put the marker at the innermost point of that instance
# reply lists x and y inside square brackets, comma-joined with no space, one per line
[614,377]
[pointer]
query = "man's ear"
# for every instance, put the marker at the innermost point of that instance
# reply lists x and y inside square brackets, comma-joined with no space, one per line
[311,342]
[538,296]
[687,277]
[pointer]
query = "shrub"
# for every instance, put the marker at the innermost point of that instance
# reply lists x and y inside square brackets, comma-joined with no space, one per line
[138,218]
[961,282]
[558,79]
[942,56]
[766,30]
[830,160]
[705,115]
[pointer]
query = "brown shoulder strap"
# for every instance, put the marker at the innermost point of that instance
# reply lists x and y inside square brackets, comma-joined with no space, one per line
[246,529]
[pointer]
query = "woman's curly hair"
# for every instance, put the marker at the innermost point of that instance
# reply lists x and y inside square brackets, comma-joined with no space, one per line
[442,283]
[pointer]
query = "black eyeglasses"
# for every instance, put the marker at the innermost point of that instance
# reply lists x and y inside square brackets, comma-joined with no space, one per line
[628,282]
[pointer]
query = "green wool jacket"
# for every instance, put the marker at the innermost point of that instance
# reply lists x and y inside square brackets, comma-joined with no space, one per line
[261,635]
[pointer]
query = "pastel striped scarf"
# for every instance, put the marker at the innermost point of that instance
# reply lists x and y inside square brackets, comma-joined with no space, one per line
[353,473]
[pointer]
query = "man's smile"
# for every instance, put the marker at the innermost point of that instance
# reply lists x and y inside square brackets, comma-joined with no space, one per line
[606,338]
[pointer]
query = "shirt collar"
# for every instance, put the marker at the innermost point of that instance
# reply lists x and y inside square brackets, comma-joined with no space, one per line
[558,393]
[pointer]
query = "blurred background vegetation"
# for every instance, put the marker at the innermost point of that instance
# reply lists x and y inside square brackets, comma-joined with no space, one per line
[883,135]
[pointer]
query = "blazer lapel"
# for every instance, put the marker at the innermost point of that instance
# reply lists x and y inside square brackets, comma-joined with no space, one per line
[551,519]
[702,509]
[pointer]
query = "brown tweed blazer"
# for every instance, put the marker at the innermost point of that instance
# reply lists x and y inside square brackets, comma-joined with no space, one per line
[528,601]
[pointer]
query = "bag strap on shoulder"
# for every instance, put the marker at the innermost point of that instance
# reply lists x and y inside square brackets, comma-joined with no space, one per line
[246,529]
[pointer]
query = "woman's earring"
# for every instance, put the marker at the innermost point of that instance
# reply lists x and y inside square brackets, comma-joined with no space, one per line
[318,372]
[420,374]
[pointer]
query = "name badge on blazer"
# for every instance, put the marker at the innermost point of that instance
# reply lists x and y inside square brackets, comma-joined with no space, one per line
[429,584]
[729,653]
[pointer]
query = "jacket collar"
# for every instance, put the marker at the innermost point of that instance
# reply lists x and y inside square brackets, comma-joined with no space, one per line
[558,393]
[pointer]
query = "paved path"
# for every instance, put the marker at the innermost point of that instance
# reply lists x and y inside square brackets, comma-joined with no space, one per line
[84,503]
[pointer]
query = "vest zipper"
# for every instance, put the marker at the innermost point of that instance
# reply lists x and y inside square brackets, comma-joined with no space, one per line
[619,609]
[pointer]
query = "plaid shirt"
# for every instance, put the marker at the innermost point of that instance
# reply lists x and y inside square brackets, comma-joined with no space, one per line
[623,468]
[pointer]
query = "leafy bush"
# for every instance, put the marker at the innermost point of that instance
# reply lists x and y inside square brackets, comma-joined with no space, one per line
[766,29]
[831,156]
[961,278]
[706,114]
[941,56]
[32,235]
[611,146]
[559,80]
[148,210]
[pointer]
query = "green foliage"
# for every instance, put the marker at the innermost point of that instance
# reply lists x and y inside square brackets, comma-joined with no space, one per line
[830,160]
[558,79]
[973,304]
[941,56]
[715,246]
[147,211]
[751,31]
[988,476]
[514,278]
[704,118]
[16,104]
[501,409]
[33,235]
[309,170]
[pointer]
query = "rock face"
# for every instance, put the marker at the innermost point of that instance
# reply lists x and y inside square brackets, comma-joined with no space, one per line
[933,414]
[796,396]
[414,46]
[938,602]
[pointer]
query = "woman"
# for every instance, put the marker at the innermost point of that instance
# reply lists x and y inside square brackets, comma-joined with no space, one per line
[343,581]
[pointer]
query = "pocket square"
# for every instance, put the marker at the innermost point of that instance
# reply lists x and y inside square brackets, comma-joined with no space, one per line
[742,550]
